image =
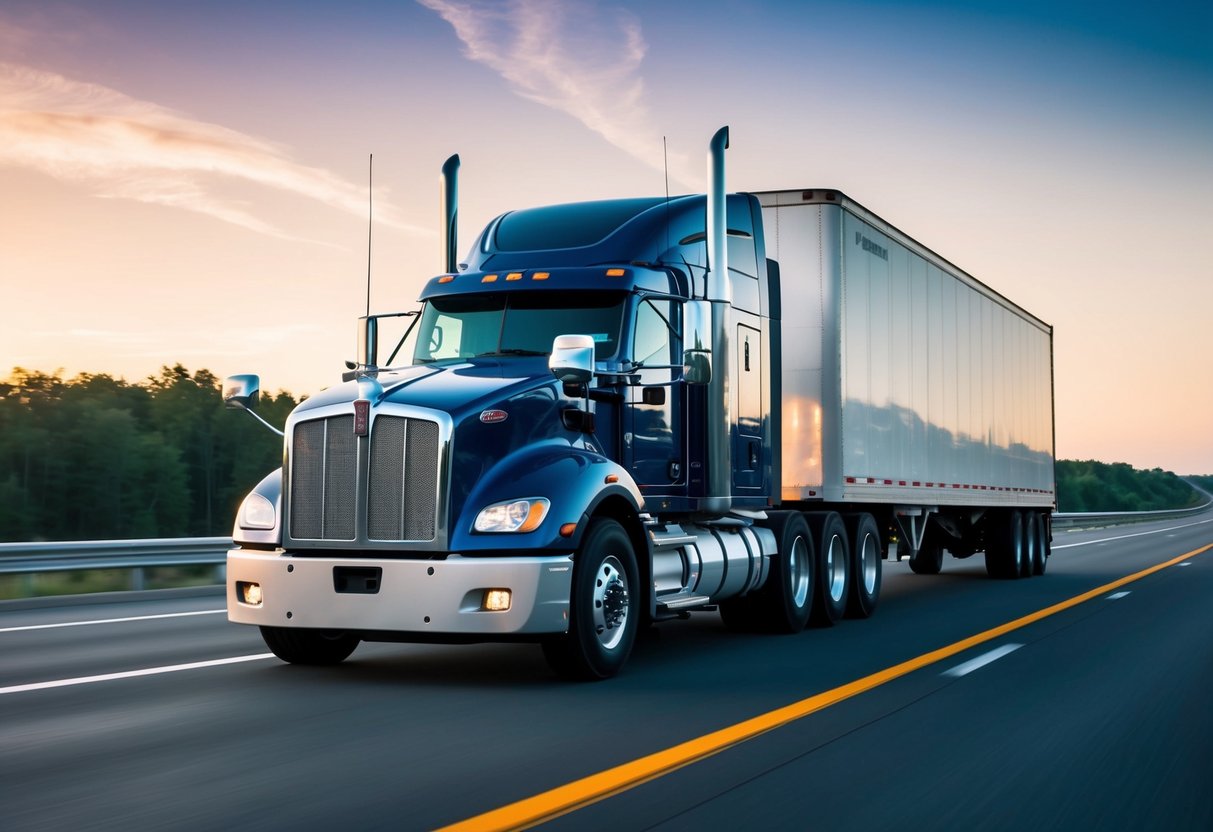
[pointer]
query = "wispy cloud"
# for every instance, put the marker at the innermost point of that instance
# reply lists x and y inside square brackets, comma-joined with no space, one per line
[573,56]
[124,148]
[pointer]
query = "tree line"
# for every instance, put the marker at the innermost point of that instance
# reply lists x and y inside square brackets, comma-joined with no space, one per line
[97,458]
[1087,485]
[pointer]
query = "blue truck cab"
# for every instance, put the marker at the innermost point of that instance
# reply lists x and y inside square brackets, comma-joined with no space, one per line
[573,440]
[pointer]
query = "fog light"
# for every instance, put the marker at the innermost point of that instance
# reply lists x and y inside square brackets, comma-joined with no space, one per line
[249,593]
[496,600]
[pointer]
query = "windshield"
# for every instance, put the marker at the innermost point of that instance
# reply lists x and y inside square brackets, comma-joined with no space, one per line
[518,323]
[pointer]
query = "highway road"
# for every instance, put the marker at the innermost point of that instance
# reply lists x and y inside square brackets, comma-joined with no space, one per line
[158,714]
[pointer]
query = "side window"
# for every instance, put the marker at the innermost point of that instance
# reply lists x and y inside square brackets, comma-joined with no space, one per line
[652,344]
[741,253]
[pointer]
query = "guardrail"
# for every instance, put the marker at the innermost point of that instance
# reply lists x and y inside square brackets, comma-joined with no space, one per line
[1095,520]
[135,555]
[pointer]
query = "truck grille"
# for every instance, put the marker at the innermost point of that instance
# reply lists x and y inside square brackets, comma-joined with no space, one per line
[402,486]
[403,491]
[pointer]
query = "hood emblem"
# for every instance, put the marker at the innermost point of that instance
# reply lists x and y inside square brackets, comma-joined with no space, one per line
[362,417]
[490,417]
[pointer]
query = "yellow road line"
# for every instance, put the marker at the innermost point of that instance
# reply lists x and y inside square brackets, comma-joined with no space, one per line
[580,793]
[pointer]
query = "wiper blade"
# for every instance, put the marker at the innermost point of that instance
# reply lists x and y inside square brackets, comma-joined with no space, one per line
[511,351]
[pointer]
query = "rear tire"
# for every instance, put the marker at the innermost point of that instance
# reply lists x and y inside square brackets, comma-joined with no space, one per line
[1041,562]
[783,603]
[865,565]
[833,571]
[604,610]
[1027,566]
[1005,549]
[314,647]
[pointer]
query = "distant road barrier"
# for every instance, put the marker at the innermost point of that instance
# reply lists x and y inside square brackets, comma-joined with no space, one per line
[135,555]
[1095,520]
[139,555]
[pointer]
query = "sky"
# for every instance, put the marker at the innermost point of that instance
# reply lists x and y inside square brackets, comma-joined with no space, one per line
[188,182]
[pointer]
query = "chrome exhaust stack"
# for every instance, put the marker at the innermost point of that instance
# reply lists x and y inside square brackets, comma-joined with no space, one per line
[719,293]
[718,286]
[449,209]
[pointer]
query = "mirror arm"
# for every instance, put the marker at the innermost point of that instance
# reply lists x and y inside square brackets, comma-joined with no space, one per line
[257,416]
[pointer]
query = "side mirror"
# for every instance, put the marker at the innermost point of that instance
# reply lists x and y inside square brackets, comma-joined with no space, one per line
[572,358]
[697,342]
[241,392]
[368,341]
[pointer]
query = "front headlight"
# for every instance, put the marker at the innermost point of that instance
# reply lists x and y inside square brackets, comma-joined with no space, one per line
[513,516]
[256,512]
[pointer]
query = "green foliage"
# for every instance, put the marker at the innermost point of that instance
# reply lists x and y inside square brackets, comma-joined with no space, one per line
[1088,485]
[96,457]
[1205,482]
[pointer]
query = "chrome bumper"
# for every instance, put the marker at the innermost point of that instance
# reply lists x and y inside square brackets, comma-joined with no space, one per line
[413,596]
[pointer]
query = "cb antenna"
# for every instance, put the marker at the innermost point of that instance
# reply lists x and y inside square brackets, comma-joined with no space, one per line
[665,163]
[370,224]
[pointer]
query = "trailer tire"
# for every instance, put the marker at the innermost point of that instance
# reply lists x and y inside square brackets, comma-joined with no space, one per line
[1027,566]
[1040,527]
[1005,549]
[865,565]
[928,560]
[604,608]
[303,646]
[833,568]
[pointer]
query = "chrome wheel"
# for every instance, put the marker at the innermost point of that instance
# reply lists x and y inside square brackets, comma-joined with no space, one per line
[836,568]
[868,557]
[801,568]
[610,602]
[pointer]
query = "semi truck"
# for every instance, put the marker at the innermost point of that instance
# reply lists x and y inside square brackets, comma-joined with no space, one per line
[615,413]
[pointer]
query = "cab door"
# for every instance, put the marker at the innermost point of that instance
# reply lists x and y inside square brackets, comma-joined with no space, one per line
[654,439]
[748,456]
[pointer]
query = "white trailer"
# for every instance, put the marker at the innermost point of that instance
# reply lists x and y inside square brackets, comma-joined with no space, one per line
[906,383]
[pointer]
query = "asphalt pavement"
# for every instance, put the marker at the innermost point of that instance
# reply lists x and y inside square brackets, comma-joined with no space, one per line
[158,713]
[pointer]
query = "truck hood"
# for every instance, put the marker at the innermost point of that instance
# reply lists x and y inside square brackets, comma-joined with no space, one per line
[460,389]
[486,449]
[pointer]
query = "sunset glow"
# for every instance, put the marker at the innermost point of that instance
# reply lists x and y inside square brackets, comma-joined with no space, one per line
[188,183]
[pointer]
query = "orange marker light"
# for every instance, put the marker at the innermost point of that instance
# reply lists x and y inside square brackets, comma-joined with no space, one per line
[540,276]
[489,278]
[567,529]
[514,276]
[610,478]
[446,279]
[616,272]
[534,517]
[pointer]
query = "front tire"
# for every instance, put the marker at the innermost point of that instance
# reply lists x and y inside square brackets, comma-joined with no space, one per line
[604,610]
[303,646]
